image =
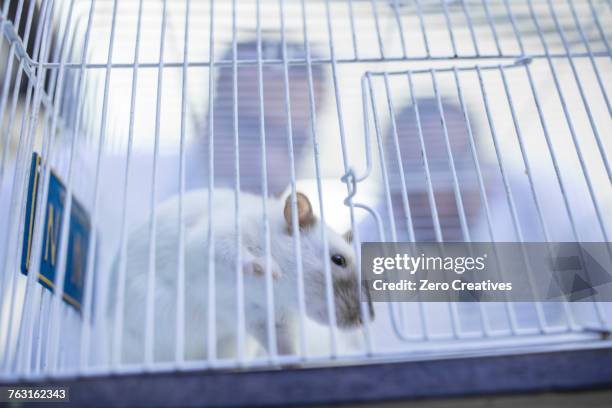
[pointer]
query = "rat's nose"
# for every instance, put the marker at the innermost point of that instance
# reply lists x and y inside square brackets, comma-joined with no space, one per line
[368,296]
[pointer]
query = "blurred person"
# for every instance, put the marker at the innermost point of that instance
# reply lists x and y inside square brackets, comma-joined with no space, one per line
[478,227]
[422,218]
[417,188]
[249,117]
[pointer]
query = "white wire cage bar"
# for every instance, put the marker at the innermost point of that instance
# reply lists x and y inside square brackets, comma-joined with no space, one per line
[379,31]
[445,120]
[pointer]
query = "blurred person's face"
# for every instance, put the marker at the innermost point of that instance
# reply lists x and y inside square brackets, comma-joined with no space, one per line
[275,106]
[275,120]
[423,219]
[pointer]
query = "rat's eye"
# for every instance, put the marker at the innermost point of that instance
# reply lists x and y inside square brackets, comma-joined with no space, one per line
[339,260]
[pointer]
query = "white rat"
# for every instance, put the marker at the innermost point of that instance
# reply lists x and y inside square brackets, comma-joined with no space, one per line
[283,267]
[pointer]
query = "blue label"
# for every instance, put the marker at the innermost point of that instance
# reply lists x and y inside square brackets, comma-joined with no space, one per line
[78,236]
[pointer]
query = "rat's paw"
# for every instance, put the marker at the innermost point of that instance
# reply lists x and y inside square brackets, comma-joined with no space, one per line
[257,267]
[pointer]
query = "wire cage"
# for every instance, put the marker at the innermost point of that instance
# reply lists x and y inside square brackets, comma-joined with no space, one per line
[401,120]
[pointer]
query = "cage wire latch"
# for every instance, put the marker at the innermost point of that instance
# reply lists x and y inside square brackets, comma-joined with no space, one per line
[351,184]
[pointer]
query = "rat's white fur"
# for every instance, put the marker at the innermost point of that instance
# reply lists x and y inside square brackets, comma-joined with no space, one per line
[282,267]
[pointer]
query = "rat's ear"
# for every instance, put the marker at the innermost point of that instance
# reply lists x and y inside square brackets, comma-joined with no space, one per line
[305,216]
[348,236]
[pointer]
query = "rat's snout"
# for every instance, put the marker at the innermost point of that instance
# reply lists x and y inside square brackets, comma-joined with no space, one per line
[349,295]
[368,296]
